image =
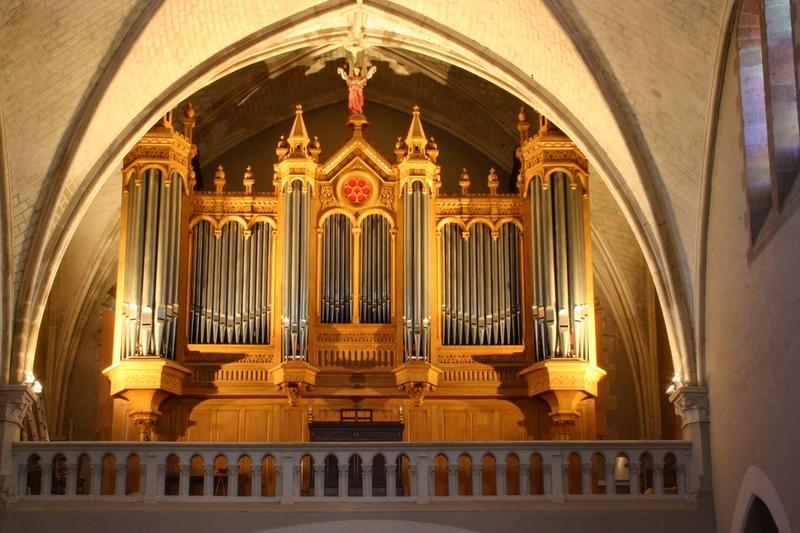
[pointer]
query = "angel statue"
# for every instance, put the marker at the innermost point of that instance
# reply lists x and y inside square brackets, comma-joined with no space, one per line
[355,85]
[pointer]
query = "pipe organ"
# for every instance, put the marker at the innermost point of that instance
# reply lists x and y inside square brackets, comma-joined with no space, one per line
[355,282]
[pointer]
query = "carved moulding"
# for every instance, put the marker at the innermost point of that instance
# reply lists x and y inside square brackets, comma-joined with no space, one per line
[563,383]
[15,403]
[417,379]
[691,404]
[295,379]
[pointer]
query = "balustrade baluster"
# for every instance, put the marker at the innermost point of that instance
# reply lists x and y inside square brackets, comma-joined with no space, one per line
[633,477]
[344,470]
[586,478]
[611,480]
[289,486]
[72,479]
[366,480]
[391,480]
[658,478]
[121,471]
[477,478]
[185,469]
[47,476]
[501,473]
[452,477]
[255,480]
[153,477]
[557,472]
[525,479]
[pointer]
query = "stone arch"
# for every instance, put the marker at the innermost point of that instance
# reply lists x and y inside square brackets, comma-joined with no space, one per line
[601,135]
[756,484]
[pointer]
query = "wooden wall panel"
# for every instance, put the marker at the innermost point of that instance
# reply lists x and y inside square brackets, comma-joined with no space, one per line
[454,424]
[483,425]
[256,425]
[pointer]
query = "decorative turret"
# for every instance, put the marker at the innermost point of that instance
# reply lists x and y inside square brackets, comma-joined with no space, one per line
[554,180]
[156,176]
[294,181]
[418,175]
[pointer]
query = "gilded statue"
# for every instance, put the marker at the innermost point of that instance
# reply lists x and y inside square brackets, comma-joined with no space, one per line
[355,85]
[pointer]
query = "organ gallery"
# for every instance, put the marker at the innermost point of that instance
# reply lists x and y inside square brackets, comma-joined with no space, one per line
[355,294]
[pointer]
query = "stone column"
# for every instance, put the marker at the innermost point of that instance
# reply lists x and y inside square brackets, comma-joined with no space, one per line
[15,403]
[691,404]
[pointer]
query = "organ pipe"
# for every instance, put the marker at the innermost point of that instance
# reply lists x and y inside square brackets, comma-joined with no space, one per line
[231,305]
[416,320]
[150,280]
[481,290]
[560,300]
[375,289]
[294,309]
[336,305]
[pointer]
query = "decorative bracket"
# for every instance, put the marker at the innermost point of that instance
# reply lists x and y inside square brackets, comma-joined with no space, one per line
[295,379]
[563,383]
[417,379]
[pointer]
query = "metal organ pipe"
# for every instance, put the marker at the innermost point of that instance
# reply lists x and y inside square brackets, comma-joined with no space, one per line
[559,255]
[149,309]
[337,293]
[375,273]
[294,318]
[227,303]
[481,286]
[416,320]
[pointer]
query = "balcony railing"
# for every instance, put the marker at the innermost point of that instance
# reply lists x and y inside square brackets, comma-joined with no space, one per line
[295,472]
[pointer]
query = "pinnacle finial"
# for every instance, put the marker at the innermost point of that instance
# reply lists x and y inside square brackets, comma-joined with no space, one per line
[416,140]
[492,182]
[248,180]
[298,137]
[188,122]
[523,125]
[464,182]
[219,179]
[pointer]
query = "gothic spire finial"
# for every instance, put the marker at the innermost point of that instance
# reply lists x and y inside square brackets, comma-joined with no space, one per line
[298,137]
[416,140]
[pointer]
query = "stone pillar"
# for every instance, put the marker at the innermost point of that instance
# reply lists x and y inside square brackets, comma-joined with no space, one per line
[366,480]
[691,404]
[477,479]
[233,480]
[502,479]
[611,480]
[391,480]
[319,480]
[255,479]
[15,403]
